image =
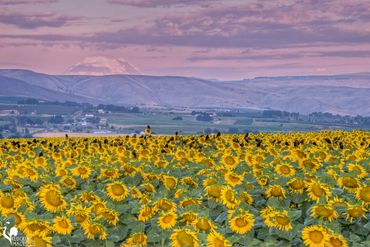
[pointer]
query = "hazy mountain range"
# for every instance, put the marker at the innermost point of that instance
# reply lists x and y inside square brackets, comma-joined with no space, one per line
[342,94]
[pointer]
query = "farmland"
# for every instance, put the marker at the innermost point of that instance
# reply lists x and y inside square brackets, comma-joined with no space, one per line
[21,117]
[294,189]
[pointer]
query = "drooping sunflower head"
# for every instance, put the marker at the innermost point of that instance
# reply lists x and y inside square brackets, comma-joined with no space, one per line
[297,185]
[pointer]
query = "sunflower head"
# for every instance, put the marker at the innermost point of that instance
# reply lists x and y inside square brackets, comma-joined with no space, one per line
[52,199]
[241,224]
[167,220]
[315,236]
[184,237]
[117,191]
[62,225]
[216,239]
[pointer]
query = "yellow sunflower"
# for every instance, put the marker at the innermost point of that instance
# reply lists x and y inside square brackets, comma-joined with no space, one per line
[241,224]
[363,194]
[233,179]
[94,229]
[324,211]
[279,219]
[34,226]
[169,182]
[189,201]
[229,160]
[215,239]
[146,213]
[184,237]
[52,199]
[355,212]
[349,183]
[68,182]
[316,190]
[246,197]
[203,225]
[275,191]
[361,171]
[338,202]
[82,171]
[336,240]
[109,215]
[285,170]
[81,213]
[38,239]
[7,202]
[188,217]
[137,240]
[297,185]
[228,198]
[165,204]
[167,220]
[117,191]
[62,225]
[214,192]
[315,236]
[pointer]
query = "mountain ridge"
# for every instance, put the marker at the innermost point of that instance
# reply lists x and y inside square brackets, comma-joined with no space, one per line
[347,94]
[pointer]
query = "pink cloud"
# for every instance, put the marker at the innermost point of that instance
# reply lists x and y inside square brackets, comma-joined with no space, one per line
[34,20]
[16,2]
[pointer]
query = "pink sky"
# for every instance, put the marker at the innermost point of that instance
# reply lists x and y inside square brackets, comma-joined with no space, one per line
[219,39]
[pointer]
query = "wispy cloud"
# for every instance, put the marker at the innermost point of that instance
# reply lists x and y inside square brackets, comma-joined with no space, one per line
[34,20]
[17,2]
[162,3]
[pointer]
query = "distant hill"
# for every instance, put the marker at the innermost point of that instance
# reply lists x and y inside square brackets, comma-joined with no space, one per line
[339,94]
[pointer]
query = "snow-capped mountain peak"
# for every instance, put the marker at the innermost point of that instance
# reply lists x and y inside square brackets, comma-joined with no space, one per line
[99,65]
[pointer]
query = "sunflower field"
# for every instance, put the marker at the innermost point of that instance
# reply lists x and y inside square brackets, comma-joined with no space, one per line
[295,189]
